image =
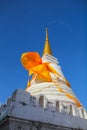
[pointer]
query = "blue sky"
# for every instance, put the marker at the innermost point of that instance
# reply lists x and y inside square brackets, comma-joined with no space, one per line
[22,29]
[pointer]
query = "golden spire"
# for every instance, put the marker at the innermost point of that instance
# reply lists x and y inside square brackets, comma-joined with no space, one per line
[47,48]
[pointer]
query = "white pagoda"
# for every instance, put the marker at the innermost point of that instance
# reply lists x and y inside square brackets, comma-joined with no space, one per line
[48,103]
[56,94]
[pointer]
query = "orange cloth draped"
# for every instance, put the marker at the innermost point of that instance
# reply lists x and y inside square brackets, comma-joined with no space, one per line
[33,63]
[30,60]
[69,96]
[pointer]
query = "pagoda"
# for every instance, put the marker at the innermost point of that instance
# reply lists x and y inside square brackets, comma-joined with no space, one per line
[49,84]
[48,102]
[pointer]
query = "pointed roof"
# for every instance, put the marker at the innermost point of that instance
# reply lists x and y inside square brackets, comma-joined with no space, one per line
[47,48]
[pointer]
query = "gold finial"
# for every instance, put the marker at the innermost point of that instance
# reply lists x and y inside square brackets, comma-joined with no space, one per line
[47,48]
[46,34]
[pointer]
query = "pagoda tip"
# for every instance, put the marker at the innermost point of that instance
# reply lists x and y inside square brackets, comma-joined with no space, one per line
[47,48]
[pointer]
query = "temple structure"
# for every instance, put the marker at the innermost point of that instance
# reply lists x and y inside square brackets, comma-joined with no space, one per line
[48,103]
[57,93]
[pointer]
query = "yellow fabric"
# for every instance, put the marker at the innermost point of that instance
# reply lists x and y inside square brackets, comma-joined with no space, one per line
[68,95]
[33,63]
[30,60]
[74,99]
[43,71]
[68,84]
[53,70]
